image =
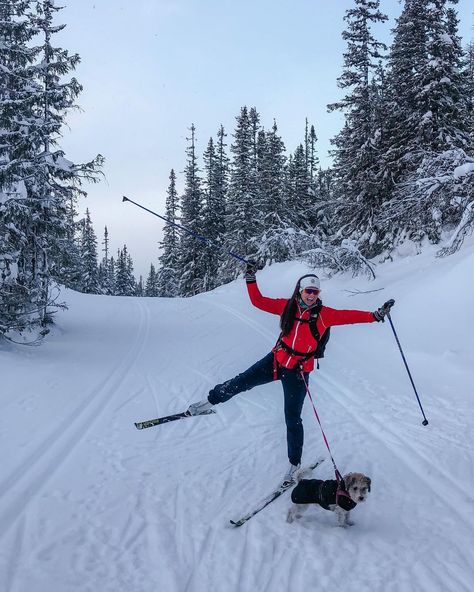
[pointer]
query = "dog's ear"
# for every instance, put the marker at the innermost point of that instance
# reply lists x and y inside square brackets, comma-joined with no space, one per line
[349,480]
[368,480]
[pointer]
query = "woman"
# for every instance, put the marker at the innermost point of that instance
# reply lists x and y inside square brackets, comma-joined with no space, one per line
[303,322]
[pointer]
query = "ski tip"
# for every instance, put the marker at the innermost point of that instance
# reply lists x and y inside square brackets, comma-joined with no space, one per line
[238,523]
[139,425]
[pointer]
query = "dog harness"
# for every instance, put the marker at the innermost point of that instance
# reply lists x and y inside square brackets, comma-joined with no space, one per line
[324,493]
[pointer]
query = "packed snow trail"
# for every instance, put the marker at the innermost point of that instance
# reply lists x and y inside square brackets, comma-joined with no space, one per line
[88,503]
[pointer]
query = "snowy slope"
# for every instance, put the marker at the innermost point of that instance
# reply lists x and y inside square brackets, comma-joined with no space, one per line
[88,503]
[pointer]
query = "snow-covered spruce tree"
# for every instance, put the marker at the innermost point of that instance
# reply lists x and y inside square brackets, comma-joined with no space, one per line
[132,283]
[190,257]
[104,275]
[311,154]
[296,210]
[151,286]
[47,180]
[18,306]
[357,151]
[324,199]
[428,125]
[88,253]
[139,287]
[124,279]
[273,212]
[298,188]
[69,272]
[241,216]
[54,181]
[468,72]
[166,282]
[444,124]
[111,277]
[215,188]
[221,183]
[257,191]
[407,58]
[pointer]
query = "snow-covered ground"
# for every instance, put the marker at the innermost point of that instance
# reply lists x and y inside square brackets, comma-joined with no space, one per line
[88,503]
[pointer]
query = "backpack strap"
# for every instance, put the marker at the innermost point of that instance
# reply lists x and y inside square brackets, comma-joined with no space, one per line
[321,340]
[294,352]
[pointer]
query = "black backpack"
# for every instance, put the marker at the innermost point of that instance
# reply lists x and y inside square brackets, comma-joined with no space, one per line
[320,339]
[323,339]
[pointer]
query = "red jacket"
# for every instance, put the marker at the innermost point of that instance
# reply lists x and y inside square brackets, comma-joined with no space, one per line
[300,337]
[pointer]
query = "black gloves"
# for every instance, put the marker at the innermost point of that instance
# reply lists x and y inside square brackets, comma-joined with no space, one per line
[380,313]
[250,272]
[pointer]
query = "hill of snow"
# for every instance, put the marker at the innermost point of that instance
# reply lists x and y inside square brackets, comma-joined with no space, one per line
[89,504]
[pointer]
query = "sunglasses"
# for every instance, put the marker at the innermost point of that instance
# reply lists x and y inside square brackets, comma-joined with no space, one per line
[314,291]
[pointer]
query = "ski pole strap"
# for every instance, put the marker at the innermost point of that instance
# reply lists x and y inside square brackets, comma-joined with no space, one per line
[338,474]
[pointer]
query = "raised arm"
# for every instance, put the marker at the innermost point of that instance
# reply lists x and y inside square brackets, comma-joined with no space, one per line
[271,305]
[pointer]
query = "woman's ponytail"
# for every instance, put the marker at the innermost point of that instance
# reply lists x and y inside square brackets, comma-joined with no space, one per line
[287,319]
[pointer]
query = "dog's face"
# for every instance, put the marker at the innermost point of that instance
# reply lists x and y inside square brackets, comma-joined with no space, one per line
[358,486]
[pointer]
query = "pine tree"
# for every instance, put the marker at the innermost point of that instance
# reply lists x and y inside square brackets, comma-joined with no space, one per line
[104,276]
[241,214]
[312,156]
[132,283]
[356,149]
[443,125]
[210,259]
[18,306]
[428,126]
[88,254]
[124,280]
[215,189]
[191,268]
[111,277]
[299,183]
[272,210]
[151,286]
[54,181]
[68,271]
[408,56]
[139,288]
[167,280]
[39,182]
[468,72]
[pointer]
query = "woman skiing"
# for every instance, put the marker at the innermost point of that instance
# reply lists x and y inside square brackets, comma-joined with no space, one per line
[303,321]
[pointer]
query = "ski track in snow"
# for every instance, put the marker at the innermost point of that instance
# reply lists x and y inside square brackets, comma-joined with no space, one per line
[57,447]
[98,505]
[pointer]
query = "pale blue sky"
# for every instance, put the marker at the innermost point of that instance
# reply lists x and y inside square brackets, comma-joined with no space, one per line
[150,68]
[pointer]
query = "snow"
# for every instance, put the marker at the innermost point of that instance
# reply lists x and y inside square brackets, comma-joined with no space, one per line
[463,170]
[446,39]
[89,503]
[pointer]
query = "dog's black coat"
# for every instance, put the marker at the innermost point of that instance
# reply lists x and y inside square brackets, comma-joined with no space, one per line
[316,491]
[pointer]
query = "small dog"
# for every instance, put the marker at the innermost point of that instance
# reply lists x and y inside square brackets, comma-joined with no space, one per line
[323,493]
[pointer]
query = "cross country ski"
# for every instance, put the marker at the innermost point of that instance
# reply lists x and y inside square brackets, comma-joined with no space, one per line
[141,425]
[284,486]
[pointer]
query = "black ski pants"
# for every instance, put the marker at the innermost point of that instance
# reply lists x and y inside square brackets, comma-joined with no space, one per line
[294,391]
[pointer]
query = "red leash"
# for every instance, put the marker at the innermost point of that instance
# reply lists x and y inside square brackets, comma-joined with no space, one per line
[336,470]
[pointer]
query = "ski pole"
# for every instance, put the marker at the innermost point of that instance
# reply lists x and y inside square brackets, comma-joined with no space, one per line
[198,236]
[425,421]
